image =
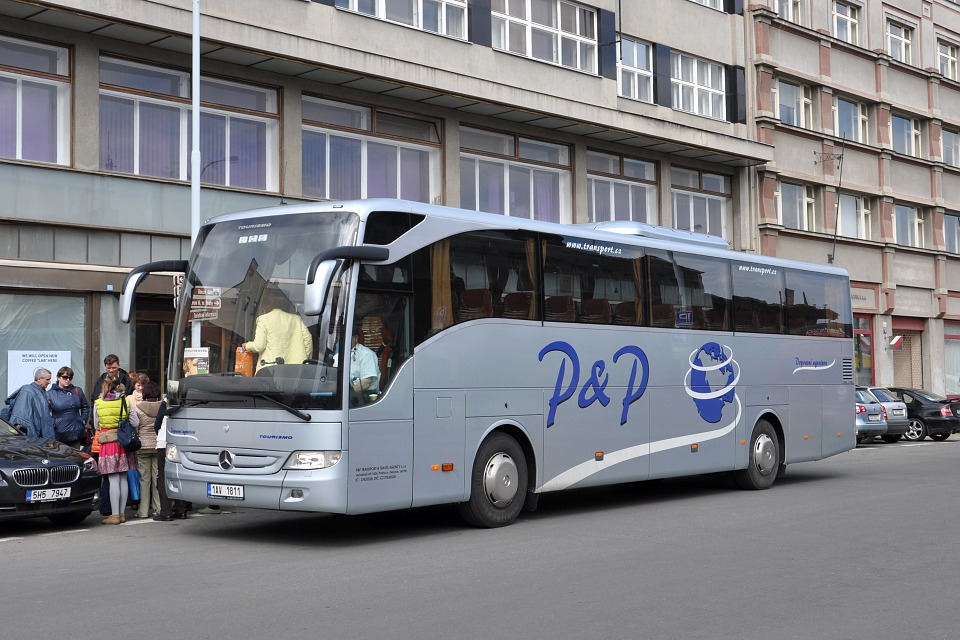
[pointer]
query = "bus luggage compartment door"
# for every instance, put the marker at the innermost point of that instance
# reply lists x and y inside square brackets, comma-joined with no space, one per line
[438,439]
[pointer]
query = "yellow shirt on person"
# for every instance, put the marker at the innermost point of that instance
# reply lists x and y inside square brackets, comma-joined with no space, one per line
[280,334]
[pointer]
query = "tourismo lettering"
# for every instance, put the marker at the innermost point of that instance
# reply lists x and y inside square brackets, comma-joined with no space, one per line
[594,389]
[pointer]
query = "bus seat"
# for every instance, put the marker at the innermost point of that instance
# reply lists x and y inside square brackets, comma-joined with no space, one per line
[663,315]
[377,336]
[717,318]
[517,304]
[625,313]
[596,311]
[745,320]
[475,303]
[560,309]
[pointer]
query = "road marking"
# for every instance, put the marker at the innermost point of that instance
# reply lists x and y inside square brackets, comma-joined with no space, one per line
[60,533]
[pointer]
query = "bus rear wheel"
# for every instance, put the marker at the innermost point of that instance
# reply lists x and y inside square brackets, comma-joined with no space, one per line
[764,463]
[498,483]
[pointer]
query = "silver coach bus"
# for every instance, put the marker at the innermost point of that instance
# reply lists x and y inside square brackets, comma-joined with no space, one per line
[516,357]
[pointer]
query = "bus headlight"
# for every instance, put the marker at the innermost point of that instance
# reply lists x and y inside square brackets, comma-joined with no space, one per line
[307,460]
[173,455]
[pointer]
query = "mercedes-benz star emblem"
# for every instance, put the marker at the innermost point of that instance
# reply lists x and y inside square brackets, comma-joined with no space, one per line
[226,460]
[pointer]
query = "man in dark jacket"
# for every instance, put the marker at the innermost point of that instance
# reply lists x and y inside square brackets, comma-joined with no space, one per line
[111,367]
[31,411]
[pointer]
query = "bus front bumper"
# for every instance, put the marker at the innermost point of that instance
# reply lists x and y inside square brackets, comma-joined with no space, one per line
[318,490]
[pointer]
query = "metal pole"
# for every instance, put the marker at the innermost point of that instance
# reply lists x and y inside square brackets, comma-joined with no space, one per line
[195,152]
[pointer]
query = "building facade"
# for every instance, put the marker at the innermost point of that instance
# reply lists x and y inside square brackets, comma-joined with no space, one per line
[861,103]
[675,113]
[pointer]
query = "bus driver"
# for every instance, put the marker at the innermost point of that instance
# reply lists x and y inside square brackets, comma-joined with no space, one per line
[364,367]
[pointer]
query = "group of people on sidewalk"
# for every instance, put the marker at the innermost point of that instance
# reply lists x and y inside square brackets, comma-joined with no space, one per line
[62,412]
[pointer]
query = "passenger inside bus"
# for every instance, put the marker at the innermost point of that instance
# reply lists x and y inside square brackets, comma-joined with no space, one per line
[281,337]
[364,371]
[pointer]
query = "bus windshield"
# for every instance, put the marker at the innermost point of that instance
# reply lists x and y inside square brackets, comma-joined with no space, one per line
[246,279]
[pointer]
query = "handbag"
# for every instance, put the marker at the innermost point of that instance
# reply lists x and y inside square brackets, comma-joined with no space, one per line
[107,435]
[133,482]
[127,436]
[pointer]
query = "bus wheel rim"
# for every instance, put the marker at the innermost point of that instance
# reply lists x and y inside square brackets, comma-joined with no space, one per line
[500,480]
[765,451]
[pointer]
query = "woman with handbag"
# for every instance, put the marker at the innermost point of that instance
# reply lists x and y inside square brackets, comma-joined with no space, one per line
[70,409]
[110,409]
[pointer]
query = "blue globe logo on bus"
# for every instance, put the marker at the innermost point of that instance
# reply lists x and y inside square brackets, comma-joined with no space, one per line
[711,380]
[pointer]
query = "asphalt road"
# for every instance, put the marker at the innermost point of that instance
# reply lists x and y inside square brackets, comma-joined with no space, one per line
[862,545]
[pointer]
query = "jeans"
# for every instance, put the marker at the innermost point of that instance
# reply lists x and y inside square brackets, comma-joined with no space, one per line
[147,464]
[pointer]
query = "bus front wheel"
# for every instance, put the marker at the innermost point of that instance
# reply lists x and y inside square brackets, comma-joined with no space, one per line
[498,483]
[764,463]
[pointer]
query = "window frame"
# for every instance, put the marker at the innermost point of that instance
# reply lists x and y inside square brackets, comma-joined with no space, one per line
[179,100]
[863,120]
[368,132]
[789,10]
[805,95]
[806,205]
[61,81]
[914,226]
[950,155]
[518,14]
[863,230]
[640,76]
[701,192]
[696,88]
[899,45]
[951,232]
[851,20]
[947,60]
[912,144]
[380,13]
[621,179]
[515,159]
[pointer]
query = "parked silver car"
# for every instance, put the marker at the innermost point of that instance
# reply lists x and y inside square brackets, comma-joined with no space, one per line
[896,413]
[870,422]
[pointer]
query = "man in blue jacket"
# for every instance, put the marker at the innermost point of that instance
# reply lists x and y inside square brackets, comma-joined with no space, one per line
[31,411]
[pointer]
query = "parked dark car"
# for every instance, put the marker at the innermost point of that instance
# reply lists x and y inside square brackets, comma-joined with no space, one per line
[896,413]
[42,478]
[930,414]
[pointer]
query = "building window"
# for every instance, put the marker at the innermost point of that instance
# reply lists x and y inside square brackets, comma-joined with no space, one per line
[621,188]
[713,4]
[863,349]
[846,17]
[950,140]
[899,37]
[854,217]
[698,85]
[789,10]
[947,59]
[636,70]
[907,226]
[905,135]
[34,101]
[351,151]
[446,17]
[554,31]
[951,233]
[795,206]
[794,103]
[145,126]
[515,176]
[700,201]
[850,120]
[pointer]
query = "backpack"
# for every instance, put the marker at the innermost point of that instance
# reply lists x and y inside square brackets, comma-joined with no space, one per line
[7,410]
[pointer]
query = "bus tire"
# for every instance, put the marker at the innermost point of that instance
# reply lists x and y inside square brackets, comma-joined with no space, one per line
[498,483]
[764,463]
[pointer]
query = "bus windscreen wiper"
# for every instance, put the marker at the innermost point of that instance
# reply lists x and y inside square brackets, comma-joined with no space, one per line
[300,414]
